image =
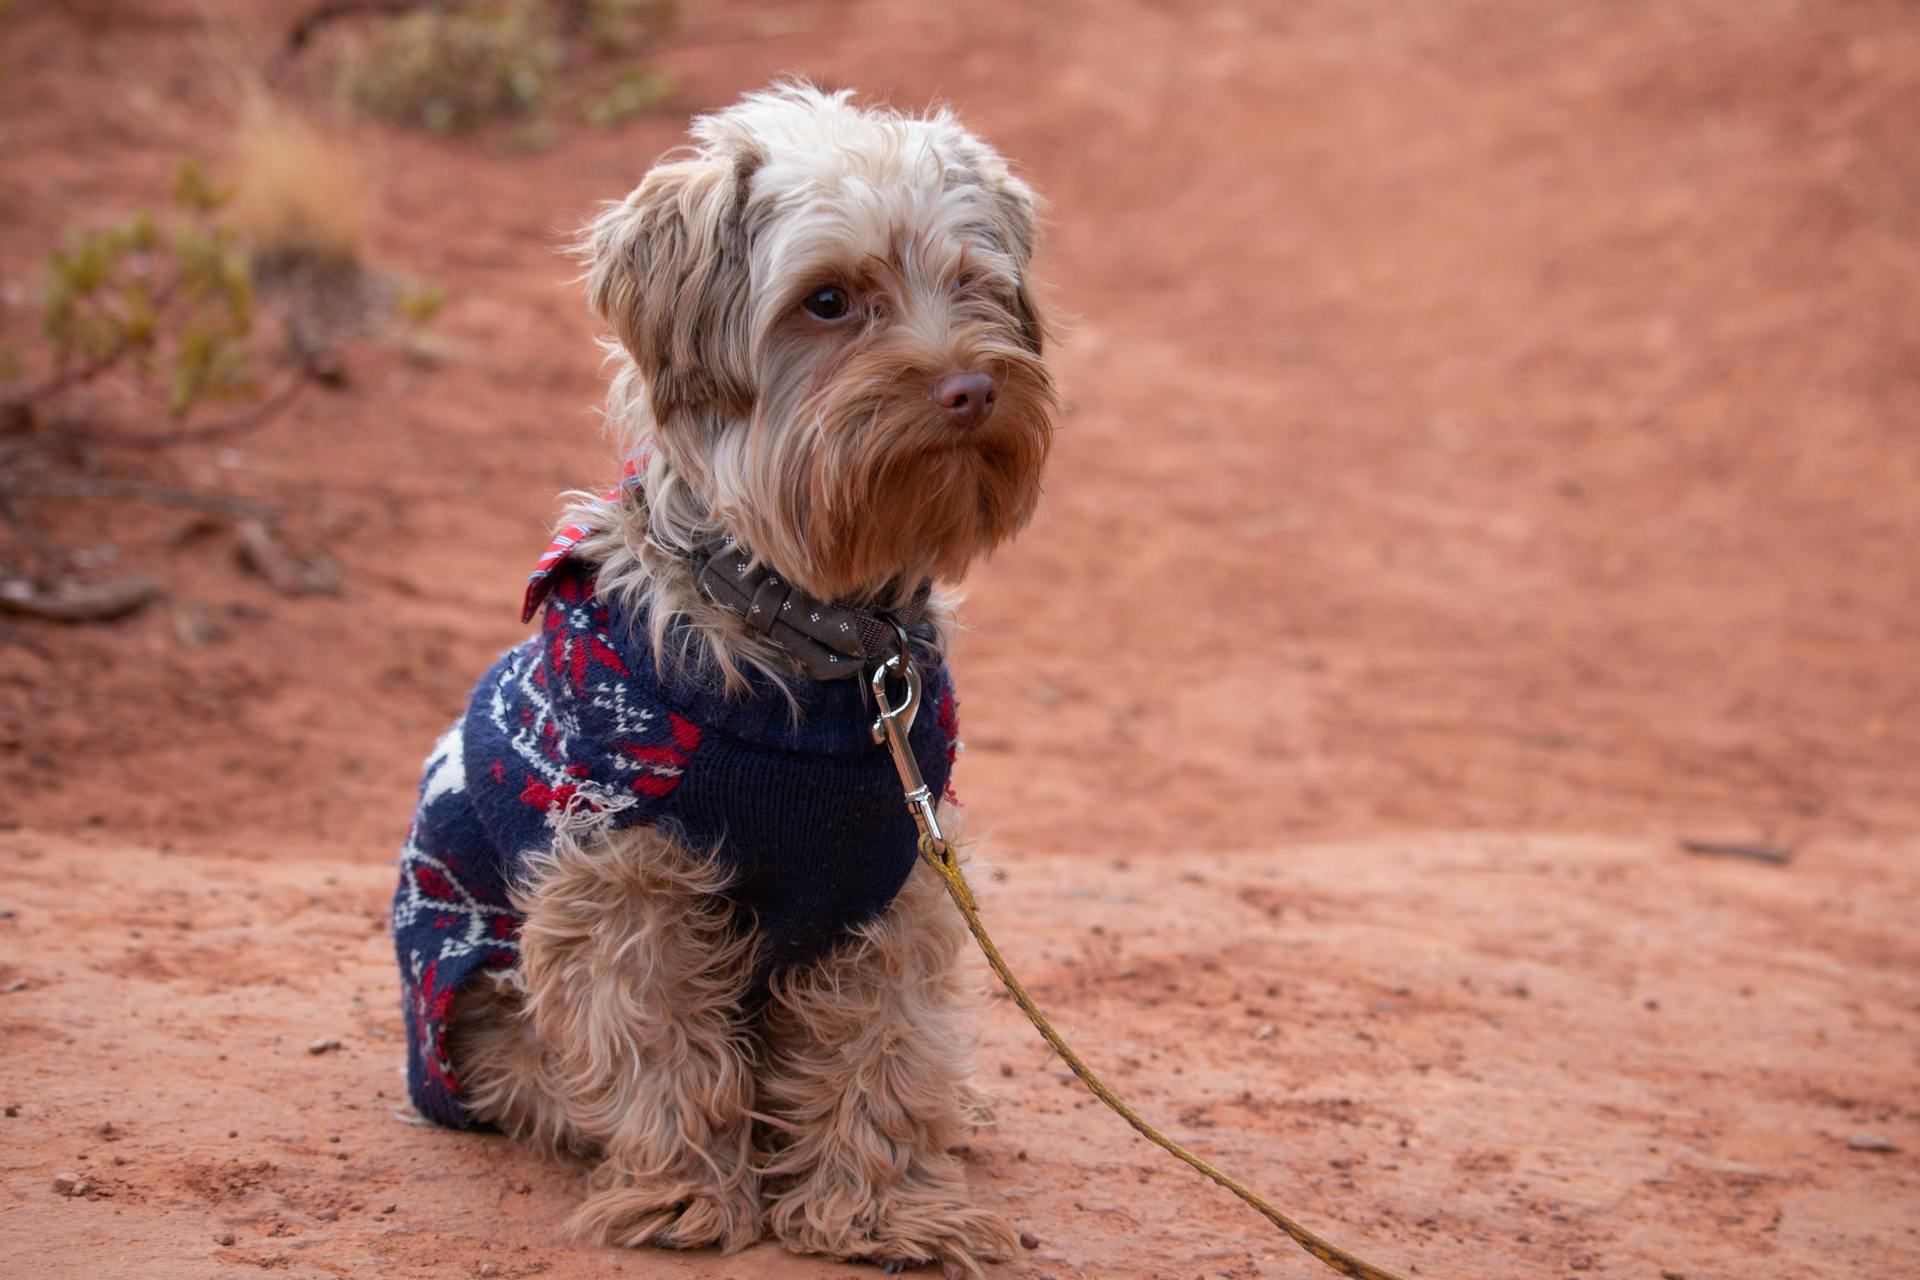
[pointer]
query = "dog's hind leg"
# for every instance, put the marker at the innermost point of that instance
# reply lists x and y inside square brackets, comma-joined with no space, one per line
[867,1089]
[632,976]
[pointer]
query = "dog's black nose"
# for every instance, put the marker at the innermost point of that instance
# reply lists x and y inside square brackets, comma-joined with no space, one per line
[967,396]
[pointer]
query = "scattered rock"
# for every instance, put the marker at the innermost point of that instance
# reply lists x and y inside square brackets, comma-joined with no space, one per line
[12,1111]
[392,1208]
[224,1240]
[69,1184]
[1869,1142]
[1583,1262]
[1028,1240]
[328,1215]
[323,1045]
[1266,1032]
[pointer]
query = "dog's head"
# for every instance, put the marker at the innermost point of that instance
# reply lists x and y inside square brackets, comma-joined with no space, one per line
[830,309]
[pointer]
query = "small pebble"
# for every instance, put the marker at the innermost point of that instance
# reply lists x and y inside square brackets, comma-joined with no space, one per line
[323,1045]
[1028,1240]
[12,1111]
[328,1215]
[18,984]
[1266,1032]
[1869,1142]
[67,1184]
[1582,1263]
[225,1240]
[392,1208]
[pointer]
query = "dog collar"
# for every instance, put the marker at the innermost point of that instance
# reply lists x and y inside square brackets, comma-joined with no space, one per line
[825,641]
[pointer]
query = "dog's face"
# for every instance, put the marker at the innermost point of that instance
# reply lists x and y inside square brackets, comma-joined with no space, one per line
[831,311]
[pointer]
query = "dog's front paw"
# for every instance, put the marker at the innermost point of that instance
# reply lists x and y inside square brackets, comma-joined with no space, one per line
[900,1231]
[630,1211]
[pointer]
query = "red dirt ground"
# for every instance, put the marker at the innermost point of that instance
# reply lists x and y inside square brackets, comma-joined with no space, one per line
[1493,458]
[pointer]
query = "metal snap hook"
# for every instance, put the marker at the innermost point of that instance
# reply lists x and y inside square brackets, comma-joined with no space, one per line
[896,721]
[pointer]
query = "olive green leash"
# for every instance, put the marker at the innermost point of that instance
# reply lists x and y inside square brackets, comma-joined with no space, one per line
[896,718]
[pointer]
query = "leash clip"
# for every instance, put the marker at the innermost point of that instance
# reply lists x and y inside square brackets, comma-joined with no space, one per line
[895,722]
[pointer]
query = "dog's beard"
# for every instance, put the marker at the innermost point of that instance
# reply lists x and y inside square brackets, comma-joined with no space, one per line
[856,485]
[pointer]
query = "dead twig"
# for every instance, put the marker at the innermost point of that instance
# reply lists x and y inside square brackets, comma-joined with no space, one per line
[227,428]
[17,406]
[238,425]
[284,570]
[1775,853]
[79,602]
[151,495]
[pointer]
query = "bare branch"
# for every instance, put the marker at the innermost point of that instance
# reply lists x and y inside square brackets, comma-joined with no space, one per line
[79,602]
[284,570]
[151,495]
[1774,853]
[252,420]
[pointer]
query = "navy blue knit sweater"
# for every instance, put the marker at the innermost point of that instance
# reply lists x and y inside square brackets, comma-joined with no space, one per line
[576,726]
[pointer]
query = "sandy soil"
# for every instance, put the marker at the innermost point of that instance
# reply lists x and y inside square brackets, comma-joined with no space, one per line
[1492,460]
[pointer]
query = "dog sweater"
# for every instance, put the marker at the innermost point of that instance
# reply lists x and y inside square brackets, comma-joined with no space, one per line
[576,728]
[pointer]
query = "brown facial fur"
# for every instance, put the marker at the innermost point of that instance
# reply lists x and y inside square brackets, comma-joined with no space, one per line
[817,448]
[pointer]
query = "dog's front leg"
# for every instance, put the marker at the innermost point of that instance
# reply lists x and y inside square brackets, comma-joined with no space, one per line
[869,1087]
[634,976]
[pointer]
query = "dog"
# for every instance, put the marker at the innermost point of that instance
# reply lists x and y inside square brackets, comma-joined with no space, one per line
[660,906]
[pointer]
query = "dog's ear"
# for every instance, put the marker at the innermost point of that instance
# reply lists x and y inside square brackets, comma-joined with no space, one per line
[1015,229]
[667,269]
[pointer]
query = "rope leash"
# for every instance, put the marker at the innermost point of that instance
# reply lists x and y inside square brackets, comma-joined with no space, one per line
[891,729]
[940,856]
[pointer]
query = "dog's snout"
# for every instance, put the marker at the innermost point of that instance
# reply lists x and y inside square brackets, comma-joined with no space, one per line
[968,397]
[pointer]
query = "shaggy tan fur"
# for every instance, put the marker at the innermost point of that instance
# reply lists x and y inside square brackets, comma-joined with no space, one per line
[621,1038]
[817,445]
[620,1035]
[868,1088]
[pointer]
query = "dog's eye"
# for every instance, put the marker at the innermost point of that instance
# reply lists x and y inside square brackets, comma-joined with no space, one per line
[830,303]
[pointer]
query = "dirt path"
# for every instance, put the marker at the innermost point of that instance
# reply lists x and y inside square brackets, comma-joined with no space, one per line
[1492,459]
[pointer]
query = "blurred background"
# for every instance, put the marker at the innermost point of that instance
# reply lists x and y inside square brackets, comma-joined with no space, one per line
[1449,740]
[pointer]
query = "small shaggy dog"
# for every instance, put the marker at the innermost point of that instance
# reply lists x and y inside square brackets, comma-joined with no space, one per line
[660,905]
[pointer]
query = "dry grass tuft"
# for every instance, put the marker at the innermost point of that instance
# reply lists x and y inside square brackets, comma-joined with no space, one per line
[300,195]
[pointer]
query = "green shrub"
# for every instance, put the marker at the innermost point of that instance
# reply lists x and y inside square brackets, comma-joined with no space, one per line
[173,303]
[453,69]
[632,92]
